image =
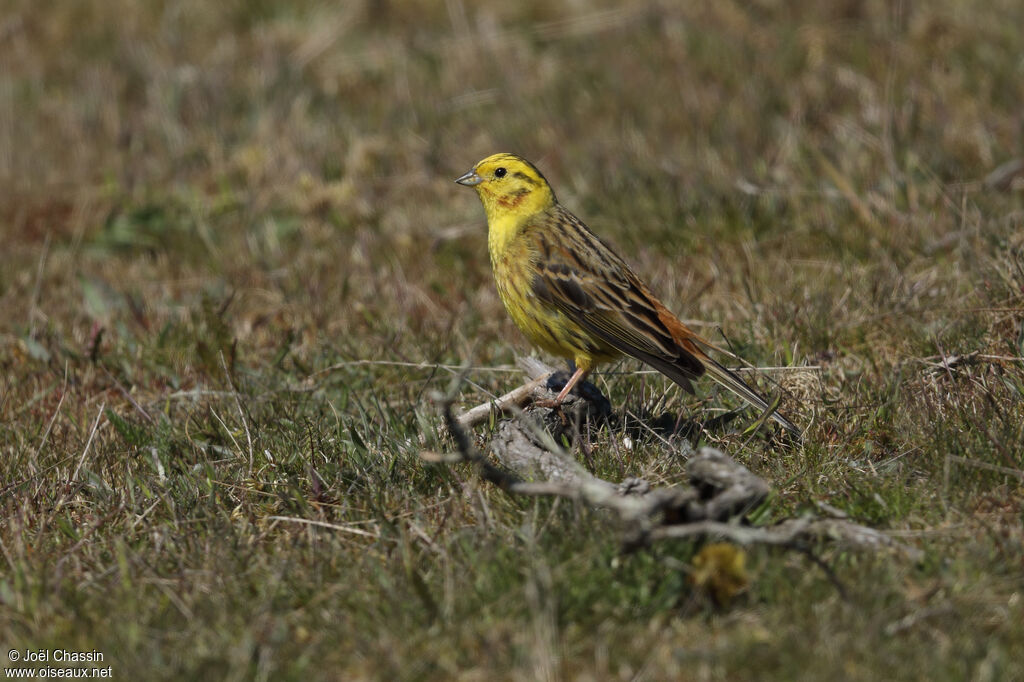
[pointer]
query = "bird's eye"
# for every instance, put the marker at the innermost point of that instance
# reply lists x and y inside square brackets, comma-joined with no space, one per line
[499,172]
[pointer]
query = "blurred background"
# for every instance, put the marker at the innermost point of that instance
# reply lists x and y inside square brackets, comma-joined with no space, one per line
[298,156]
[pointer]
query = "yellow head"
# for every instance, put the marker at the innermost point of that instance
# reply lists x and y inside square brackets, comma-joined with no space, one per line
[509,186]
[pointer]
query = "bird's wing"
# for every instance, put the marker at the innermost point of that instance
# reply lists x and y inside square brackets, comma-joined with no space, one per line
[595,288]
[590,285]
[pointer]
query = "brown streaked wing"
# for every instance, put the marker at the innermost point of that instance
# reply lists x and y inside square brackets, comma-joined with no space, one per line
[595,288]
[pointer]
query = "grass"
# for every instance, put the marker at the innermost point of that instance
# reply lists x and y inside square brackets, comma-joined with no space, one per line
[235,266]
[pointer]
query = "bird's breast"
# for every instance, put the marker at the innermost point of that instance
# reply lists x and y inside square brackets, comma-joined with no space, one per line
[515,267]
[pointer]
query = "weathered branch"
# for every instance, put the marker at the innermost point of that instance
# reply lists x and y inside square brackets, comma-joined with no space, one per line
[721,493]
[534,389]
[514,398]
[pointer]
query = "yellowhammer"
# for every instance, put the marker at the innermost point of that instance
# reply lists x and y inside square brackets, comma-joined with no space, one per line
[572,295]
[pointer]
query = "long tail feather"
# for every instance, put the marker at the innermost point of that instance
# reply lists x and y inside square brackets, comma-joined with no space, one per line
[731,381]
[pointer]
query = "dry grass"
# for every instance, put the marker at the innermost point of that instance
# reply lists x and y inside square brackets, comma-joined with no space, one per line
[213,214]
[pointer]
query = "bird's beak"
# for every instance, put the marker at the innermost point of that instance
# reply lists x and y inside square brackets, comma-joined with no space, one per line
[469,179]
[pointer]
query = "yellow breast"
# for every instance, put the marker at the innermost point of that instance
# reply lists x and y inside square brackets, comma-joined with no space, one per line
[514,260]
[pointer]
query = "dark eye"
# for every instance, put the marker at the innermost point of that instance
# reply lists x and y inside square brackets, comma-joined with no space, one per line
[499,172]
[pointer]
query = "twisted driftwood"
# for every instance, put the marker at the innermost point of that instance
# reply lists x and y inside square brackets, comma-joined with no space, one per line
[720,492]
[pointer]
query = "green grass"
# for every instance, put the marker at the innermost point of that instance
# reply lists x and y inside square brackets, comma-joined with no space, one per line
[234,268]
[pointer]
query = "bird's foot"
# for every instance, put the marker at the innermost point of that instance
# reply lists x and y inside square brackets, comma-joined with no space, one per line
[584,389]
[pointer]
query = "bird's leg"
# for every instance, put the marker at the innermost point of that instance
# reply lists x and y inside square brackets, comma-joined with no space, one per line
[576,377]
[573,380]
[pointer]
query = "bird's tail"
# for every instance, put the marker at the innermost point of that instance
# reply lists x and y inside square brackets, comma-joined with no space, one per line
[731,381]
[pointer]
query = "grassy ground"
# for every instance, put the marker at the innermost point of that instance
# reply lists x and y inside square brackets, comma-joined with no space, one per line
[234,266]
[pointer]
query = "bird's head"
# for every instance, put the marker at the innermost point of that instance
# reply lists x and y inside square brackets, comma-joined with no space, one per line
[509,186]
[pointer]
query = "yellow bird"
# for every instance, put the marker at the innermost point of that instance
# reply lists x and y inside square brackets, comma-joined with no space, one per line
[572,295]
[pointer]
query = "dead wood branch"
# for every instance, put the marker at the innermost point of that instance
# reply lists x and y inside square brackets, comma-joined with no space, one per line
[720,495]
[535,389]
[516,397]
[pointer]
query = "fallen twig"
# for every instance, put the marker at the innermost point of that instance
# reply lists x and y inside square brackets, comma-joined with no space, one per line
[721,493]
[535,388]
[516,397]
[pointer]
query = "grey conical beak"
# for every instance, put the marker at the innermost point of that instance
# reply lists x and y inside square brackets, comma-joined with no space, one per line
[469,179]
